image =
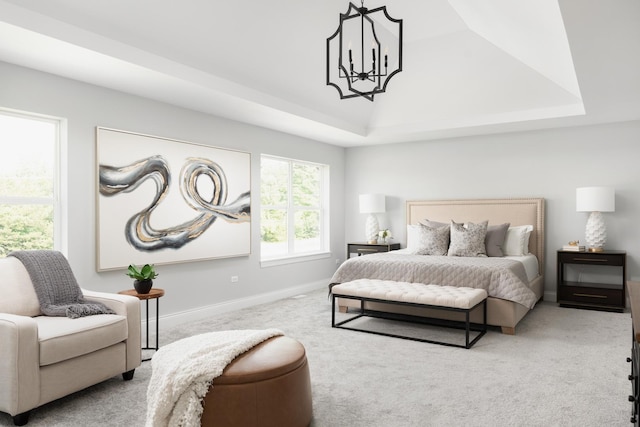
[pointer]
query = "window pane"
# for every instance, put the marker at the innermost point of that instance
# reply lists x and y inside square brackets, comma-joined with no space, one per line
[274,178]
[306,185]
[24,227]
[273,232]
[292,208]
[307,233]
[28,154]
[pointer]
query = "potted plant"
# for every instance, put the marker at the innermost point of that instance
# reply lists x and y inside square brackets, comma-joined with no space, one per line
[385,236]
[143,277]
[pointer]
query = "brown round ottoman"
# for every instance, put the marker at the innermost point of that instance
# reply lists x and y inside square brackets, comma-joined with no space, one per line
[268,386]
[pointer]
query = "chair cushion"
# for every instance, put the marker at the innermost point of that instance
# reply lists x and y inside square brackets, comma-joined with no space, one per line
[18,295]
[62,338]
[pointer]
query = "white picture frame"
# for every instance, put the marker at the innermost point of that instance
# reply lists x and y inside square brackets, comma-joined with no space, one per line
[162,201]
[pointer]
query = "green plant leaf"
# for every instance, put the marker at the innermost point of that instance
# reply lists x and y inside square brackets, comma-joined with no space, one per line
[147,272]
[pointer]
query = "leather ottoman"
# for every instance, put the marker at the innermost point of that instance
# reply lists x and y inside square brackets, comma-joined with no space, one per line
[268,386]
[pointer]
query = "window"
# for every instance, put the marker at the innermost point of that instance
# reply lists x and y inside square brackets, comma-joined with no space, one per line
[29,208]
[294,199]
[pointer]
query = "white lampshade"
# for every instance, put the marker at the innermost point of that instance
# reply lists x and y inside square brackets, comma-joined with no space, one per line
[372,203]
[595,199]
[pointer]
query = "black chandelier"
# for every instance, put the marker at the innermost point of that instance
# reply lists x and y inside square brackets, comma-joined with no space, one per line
[363,74]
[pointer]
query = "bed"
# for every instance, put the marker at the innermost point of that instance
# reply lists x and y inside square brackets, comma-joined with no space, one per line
[514,283]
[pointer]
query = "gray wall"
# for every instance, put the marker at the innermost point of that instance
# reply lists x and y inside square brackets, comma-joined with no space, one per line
[192,285]
[549,164]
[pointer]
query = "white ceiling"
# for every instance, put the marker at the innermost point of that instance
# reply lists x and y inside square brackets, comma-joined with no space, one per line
[470,67]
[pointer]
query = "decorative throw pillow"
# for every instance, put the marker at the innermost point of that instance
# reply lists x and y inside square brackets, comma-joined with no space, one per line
[468,239]
[516,242]
[430,240]
[495,238]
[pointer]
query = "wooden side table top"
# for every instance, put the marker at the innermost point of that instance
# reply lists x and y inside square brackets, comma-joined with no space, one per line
[153,293]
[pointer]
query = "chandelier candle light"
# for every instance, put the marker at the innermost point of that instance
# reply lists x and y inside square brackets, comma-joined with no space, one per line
[358,27]
[372,204]
[595,200]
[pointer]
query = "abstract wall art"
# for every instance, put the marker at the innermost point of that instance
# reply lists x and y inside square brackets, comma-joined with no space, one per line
[164,201]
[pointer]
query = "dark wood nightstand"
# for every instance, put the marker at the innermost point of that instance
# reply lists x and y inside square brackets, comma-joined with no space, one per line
[633,288]
[598,296]
[370,248]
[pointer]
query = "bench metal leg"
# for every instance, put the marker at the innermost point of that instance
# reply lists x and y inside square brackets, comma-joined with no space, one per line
[414,319]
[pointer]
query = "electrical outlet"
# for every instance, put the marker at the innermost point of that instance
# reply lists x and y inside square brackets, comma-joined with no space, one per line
[234,279]
[337,261]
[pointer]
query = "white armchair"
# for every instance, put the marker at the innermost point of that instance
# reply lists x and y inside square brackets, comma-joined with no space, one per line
[44,358]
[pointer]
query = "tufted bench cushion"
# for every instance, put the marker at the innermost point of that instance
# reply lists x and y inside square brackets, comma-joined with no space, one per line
[451,298]
[419,293]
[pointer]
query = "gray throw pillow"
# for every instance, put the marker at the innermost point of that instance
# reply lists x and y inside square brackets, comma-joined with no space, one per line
[495,238]
[468,239]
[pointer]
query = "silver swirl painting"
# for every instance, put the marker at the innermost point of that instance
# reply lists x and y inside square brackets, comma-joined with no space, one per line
[162,201]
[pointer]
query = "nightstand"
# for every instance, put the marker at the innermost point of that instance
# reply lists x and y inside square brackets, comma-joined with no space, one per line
[598,296]
[370,248]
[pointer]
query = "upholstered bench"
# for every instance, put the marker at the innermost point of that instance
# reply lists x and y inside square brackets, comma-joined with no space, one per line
[450,298]
[268,386]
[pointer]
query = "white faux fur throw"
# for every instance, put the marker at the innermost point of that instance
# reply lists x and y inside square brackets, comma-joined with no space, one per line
[182,373]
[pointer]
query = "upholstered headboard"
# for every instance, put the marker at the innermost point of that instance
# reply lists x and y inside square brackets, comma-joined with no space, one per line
[497,211]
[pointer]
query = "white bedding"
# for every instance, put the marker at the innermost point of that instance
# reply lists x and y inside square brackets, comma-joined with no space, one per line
[529,261]
[501,277]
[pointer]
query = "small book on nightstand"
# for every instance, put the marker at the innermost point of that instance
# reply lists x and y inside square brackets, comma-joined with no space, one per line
[574,248]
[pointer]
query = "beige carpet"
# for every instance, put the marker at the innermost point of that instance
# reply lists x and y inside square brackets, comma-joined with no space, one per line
[565,367]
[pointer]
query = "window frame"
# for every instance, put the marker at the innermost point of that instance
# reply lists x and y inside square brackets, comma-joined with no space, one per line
[291,256]
[60,241]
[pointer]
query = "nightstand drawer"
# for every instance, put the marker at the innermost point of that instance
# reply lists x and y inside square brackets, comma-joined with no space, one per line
[366,249]
[590,295]
[593,258]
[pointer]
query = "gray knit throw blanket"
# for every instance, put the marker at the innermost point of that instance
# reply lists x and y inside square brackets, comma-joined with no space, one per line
[56,286]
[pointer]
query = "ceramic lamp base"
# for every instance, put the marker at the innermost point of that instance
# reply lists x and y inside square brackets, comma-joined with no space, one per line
[371,229]
[596,232]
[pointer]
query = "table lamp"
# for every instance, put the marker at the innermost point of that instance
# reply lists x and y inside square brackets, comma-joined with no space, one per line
[372,204]
[595,200]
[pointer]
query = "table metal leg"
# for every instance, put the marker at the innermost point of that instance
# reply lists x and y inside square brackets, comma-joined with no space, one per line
[157,328]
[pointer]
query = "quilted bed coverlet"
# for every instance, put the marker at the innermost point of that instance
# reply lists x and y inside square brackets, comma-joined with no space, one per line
[500,277]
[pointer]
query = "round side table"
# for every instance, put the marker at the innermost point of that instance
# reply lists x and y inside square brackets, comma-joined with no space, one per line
[156,294]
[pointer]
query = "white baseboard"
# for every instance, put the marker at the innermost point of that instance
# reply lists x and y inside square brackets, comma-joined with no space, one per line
[175,319]
[550,296]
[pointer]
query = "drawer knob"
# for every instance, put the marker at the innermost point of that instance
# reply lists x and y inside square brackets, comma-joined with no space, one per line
[632,398]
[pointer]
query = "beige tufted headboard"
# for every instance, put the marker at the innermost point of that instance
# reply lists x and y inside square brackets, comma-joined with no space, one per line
[497,211]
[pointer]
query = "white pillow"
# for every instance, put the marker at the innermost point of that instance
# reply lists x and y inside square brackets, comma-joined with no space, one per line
[413,237]
[516,242]
[525,248]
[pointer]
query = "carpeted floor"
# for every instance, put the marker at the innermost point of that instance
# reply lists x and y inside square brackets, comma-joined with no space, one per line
[565,367]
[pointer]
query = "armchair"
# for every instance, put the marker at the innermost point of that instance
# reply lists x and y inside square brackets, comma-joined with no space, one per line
[44,358]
